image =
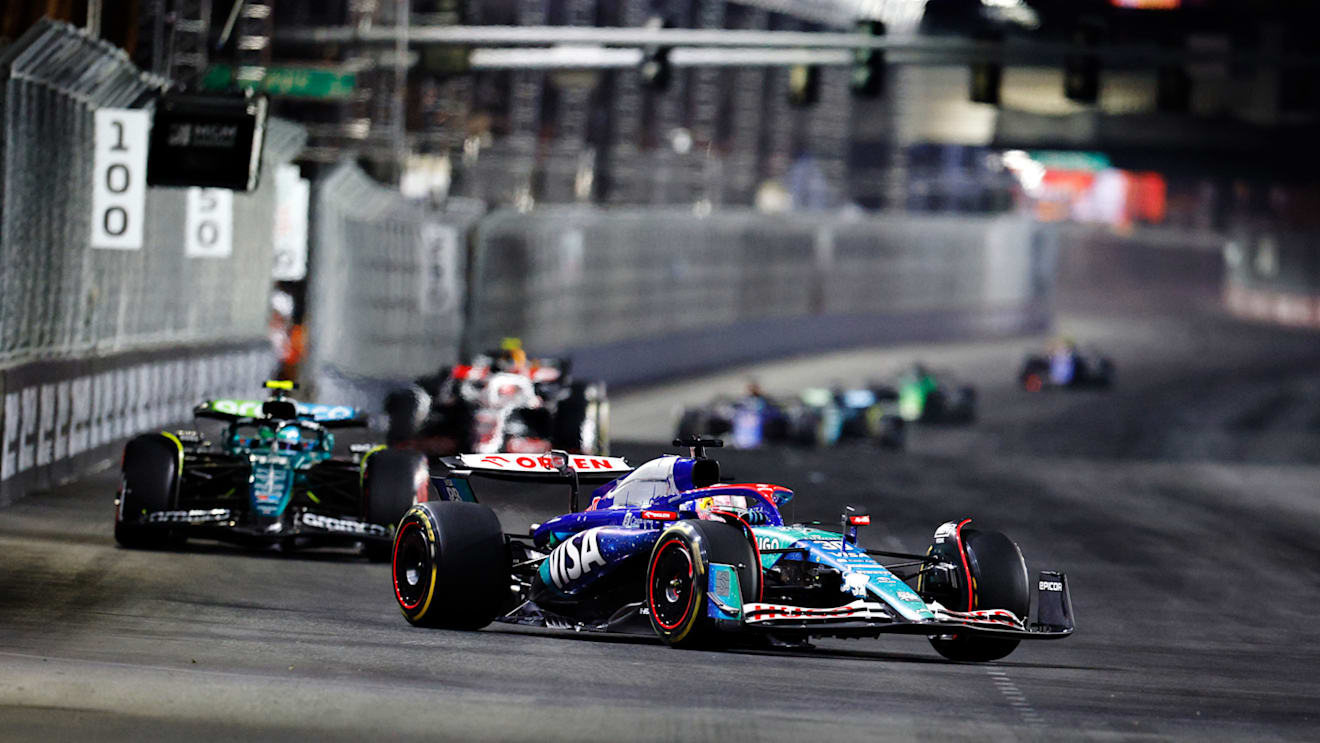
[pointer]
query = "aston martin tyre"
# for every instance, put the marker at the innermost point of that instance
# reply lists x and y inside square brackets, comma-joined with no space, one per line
[677,578]
[451,566]
[407,408]
[393,481]
[998,581]
[579,421]
[150,481]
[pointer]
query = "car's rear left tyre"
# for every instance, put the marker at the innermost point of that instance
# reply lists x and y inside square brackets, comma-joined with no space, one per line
[150,481]
[999,577]
[581,420]
[677,578]
[965,406]
[395,479]
[1105,374]
[406,408]
[691,423]
[891,432]
[599,411]
[451,566]
[1034,374]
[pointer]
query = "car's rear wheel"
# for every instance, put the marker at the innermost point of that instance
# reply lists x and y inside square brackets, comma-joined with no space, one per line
[1105,373]
[599,411]
[406,408]
[395,479]
[150,479]
[999,578]
[966,405]
[1034,373]
[689,424]
[451,566]
[892,432]
[581,420]
[678,574]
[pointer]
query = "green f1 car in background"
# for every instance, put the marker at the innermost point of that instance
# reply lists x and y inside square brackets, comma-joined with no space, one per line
[924,396]
[273,479]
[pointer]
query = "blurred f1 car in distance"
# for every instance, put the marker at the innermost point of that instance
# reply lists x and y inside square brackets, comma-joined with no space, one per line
[704,563]
[921,395]
[1065,365]
[273,479]
[818,416]
[501,402]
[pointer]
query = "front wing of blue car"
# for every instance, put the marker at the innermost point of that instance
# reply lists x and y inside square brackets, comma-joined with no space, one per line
[868,616]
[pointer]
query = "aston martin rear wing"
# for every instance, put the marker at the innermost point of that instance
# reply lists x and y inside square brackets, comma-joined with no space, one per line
[550,468]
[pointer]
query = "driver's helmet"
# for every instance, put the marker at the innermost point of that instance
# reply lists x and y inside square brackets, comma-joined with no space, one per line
[736,504]
[513,360]
[289,438]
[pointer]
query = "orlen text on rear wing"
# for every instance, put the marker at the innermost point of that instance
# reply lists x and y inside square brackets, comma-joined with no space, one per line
[555,467]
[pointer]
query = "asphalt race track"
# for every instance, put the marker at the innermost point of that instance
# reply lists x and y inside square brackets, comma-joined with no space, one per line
[1184,506]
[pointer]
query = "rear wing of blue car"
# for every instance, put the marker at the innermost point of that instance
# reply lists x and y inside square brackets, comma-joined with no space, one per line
[549,468]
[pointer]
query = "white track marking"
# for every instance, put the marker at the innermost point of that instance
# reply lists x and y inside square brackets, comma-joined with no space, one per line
[1016,699]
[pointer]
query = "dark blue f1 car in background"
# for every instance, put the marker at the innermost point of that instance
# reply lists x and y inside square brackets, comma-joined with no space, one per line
[704,562]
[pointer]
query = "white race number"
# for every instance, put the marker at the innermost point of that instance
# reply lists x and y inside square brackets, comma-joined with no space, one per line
[210,223]
[119,178]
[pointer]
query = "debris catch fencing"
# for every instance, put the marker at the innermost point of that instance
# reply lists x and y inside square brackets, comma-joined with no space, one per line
[388,286]
[59,296]
[97,344]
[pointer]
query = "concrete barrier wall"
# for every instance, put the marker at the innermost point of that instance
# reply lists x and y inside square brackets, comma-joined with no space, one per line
[1146,268]
[640,295]
[1273,275]
[59,419]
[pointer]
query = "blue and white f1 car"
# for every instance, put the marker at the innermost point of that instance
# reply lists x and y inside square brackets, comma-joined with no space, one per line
[703,562]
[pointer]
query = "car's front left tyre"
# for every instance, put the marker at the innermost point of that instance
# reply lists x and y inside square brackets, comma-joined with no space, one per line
[149,483]
[999,581]
[451,566]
